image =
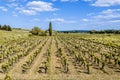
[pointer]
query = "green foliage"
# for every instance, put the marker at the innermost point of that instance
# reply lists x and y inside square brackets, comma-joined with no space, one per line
[0,26]
[38,31]
[35,30]
[50,29]
[88,68]
[42,33]
[28,63]
[5,67]
[105,31]
[64,63]
[5,27]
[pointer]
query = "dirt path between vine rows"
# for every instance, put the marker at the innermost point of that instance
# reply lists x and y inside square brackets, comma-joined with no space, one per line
[32,73]
[53,62]
[71,67]
[17,68]
[38,59]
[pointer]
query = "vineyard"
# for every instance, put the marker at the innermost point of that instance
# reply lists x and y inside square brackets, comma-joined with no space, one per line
[71,56]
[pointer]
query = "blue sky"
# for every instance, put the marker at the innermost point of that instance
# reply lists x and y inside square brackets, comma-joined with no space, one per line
[64,14]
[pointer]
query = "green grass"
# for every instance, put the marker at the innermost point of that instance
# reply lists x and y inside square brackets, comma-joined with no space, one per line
[107,39]
[7,36]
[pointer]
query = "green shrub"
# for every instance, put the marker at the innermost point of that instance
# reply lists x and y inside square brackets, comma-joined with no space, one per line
[38,31]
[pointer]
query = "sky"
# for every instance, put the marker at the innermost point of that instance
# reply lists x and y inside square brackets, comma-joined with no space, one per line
[64,14]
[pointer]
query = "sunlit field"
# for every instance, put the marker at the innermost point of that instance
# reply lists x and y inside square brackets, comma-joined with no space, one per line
[59,39]
[73,56]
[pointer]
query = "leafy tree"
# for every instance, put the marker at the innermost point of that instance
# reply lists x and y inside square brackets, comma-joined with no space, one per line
[38,31]
[9,28]
[6,27]
[50,28]
[35,30]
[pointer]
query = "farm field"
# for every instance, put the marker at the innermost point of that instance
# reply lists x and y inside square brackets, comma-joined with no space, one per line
[6,36]
[59,57]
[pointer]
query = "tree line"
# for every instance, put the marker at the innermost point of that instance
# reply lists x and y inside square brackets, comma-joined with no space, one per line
[92,31]
[105,31]
[5,27]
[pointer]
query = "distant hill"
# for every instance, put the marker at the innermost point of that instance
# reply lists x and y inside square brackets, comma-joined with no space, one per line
[75,31]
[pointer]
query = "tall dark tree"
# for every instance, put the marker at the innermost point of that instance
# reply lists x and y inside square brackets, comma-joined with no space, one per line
[50,28]
[9,28]
[0,26]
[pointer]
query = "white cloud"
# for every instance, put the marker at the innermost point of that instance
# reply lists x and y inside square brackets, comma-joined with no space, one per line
[61,20]
[109,11]
[108,14]
[115,21]
[56,20]
[12,5]
[66,0]
[14,0]
[28,12]
[103,3]
[3,8]
[85,20]
[24,11]
[106,18]
[34,7]
[106,3]
[41,6]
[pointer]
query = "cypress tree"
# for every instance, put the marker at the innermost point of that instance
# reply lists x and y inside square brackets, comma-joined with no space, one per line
[50,29]
[0,27]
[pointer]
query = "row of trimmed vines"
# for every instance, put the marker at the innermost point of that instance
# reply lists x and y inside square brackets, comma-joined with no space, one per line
[14,52]
[63,59]
[45,66]
[88,54]
[28,63]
